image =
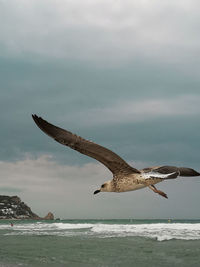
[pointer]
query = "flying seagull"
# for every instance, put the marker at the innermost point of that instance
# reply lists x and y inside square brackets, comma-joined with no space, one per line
[125,178]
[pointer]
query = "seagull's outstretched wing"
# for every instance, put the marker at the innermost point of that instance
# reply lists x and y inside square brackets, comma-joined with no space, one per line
[182,171]
[111,160]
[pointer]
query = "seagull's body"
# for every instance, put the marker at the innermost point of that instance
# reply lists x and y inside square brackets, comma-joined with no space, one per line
[125,177]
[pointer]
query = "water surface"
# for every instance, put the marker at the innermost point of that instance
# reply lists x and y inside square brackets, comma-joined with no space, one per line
[100,243]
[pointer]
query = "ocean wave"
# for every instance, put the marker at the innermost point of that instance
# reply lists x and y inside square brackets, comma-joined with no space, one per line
[158,231]
[39,226]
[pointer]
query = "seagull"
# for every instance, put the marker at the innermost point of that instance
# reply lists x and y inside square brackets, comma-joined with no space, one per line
[125,178]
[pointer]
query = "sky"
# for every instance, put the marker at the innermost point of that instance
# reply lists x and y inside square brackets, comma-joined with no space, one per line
[122,73]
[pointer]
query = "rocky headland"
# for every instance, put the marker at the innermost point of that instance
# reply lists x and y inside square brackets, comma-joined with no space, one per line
[11,207]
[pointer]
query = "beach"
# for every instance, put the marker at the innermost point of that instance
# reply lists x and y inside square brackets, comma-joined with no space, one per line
[100,243]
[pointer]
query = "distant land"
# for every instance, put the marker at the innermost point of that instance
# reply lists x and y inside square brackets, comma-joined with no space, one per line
[11,207]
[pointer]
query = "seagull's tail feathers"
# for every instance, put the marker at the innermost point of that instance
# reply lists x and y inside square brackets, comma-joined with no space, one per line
[171,171]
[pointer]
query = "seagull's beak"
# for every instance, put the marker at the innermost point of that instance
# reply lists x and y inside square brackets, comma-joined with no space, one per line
[97,191]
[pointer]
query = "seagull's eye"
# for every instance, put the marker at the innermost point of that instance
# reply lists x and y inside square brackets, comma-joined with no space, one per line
[103,185]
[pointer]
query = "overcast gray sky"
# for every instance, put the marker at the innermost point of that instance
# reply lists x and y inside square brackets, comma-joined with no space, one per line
[124,74]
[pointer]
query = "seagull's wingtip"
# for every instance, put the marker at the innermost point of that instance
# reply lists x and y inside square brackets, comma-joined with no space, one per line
[35,117]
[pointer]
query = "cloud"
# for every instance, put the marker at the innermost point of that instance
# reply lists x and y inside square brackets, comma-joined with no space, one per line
[142,110]
[43,173]
[103,30]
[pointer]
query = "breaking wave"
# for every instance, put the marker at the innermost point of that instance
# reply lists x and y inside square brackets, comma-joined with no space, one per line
[158,231]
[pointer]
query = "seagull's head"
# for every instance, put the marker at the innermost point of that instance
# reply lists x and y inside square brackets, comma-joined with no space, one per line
[106,187]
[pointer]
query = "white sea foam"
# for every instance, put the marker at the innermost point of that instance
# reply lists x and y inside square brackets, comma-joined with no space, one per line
[46,226]
[158,231]
[73,226]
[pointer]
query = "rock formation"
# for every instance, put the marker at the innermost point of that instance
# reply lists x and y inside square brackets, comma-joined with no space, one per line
[14,208]
[49,216]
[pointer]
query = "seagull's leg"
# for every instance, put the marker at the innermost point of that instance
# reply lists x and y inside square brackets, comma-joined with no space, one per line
[152,187]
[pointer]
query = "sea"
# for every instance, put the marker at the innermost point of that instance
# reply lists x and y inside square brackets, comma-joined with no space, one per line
[102,243]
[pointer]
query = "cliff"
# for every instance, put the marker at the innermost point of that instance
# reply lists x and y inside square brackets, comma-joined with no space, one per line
[13,208]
